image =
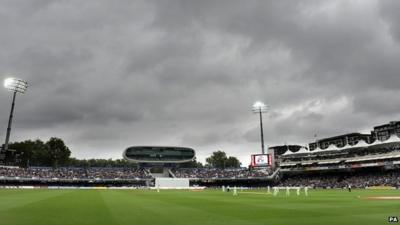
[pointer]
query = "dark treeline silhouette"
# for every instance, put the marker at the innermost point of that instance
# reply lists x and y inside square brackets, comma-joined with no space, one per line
[219,159]
[54,153]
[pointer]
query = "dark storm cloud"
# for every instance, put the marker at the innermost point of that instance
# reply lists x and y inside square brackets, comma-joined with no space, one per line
[105,75]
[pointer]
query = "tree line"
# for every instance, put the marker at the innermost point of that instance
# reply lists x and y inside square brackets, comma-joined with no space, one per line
[55,153]
[218,159]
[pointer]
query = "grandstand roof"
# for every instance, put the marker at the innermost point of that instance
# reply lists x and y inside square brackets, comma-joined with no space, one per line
[386,124]
[342,136]
[376,142]
[393,138]
[302,150]
[360,144]
[288,152]
[318,149]
[330,148]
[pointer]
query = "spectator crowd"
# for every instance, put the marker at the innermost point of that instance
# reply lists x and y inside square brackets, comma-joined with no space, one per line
[102,173]
[358,180]
[342,155]
[219,173]
[73,173]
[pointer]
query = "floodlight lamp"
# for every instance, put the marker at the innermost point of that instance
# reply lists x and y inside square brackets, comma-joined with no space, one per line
[8,82]
[258,104]
[259,107]
[16,85]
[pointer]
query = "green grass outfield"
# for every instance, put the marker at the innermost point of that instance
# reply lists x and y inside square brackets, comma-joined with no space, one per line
[147,207]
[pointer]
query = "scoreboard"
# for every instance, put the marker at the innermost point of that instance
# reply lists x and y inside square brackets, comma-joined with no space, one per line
[261,160]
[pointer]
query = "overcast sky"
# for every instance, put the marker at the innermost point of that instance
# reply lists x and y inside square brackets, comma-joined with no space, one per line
[105,75]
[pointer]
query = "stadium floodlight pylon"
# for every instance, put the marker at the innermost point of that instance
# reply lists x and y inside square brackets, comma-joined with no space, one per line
[260,108]
[16,86]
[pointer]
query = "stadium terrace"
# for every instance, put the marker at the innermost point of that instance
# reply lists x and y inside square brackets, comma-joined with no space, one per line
[363,160]
[380,149]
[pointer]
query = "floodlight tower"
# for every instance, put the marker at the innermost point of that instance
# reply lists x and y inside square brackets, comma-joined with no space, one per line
[260,108]
[16,86]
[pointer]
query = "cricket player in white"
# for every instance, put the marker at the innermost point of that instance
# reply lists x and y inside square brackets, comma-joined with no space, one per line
[234,191]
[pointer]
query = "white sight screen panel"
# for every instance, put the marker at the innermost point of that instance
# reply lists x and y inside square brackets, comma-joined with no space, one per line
[172,182]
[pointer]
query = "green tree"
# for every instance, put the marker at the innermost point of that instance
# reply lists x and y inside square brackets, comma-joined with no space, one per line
[192,164]
[30,153]
[232,162]
[39,156]
[58,152]
[24,150]
[217,159]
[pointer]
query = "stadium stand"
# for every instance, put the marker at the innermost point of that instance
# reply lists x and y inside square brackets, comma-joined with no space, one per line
[359,160]
[73,173]
[121,173]
[219,173]
[362,178]
[380,148]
